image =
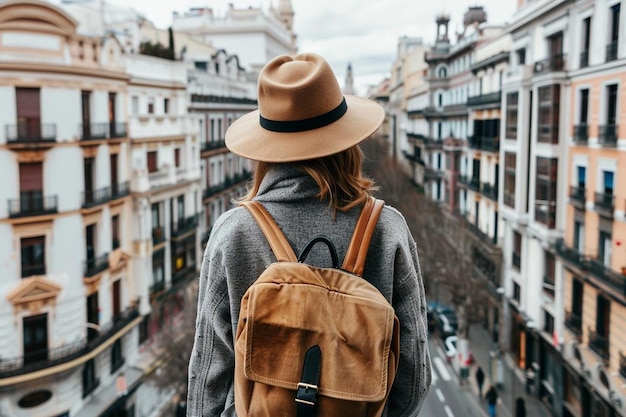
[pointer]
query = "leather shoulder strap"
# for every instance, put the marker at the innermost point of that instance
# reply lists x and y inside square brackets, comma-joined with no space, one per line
[275,237]
[357,251]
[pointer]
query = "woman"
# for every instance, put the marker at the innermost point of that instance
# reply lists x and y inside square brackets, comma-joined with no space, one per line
[308,176]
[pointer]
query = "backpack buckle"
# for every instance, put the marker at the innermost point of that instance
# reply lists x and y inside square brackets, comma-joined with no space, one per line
[306,394]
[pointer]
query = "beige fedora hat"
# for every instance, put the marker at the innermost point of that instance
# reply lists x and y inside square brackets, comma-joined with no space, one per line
[302,114]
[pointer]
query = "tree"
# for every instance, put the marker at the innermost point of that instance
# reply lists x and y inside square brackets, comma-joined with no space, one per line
[443,240]
[175,341]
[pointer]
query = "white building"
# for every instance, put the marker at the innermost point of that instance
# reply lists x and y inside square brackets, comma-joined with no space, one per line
[69,306]
[254,35]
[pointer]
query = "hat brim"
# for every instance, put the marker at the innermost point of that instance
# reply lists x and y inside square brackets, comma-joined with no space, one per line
[246,138]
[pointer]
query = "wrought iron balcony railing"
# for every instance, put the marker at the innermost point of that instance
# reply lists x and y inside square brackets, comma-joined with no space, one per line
[599,343]
[93,198]
[574,322]
[31,132]
[607,135]
[120,189]
[47,358]
[554,63]
[584,59]
[89,131]
[95,265]
[484,99]
[581,134]
[577,195]
[605,203]
[611,51]
[118,130]
[185,225]
[490,191]
[212,145]
[32,203]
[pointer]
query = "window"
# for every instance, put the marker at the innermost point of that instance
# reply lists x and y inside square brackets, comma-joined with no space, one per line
[549,105]
[545,193]
[549,274]
[608,182]
[177,157]
[517,292]
[35,332]
[152,161]
[611,48]
[586,33]
[608,132]
[517,250]
[115,232]
[509,178]
[151,105]
[158,271]
[604,248]
[548,322]
[90,382]
[33,256]
[134,105]
[511,115]
[521,56]
[93,316]
[117,357]
[166,105]
[157,230]
[180,208]
[579,236]
[581,174]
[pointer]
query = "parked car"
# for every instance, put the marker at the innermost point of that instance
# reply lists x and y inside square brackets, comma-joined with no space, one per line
[446,321]
[432,308]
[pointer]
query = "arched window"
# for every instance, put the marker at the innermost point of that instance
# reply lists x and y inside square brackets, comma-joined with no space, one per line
[443,72]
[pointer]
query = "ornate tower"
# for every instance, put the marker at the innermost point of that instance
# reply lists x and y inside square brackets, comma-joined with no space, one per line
[285,14]
[349,84]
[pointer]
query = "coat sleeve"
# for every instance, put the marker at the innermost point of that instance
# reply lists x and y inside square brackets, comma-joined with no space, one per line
[211,367]
[414,371]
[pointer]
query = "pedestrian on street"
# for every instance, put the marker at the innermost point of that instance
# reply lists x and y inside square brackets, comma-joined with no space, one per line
[480,380]
[492,400]
[530,380]
[520,407]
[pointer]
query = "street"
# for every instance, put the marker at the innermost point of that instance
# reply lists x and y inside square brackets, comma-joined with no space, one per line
[446,396]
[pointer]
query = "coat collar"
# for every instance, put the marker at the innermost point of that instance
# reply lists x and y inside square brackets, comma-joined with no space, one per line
[286,183]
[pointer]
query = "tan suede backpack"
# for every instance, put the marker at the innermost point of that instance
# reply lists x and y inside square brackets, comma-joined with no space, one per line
[315,341]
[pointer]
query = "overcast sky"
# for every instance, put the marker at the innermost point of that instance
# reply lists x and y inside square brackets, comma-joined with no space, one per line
[362,32]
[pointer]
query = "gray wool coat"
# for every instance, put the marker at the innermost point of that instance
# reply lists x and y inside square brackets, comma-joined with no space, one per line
[236,254]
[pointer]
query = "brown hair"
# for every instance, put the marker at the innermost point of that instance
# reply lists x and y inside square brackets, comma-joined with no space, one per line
[339,177]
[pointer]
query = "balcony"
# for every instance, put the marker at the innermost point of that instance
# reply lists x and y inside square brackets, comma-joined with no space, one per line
[571,255]
[184,274]
[607,276]
[118,130]
[157,287]
[490,191]
[183,226]
[95,265]
[32,203]
[158,235]
[91,131]
[581,134]
[93,198]
[605,204]
[433,143]
[432,174]
[463,180]
[485,143]
[31,132]
[577,196]
[119,190]
[212,145]
[554,63]
[413,158]
[584,59]
[545,213]
[485,100]
[48,358]
[474,184]
[574,322]
[599,344]
[622,365]
[490,242]
[611,51]
[516,260]
[415,136]
[607,135]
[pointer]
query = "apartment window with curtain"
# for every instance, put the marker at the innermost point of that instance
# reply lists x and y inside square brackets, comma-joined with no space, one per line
[549,105]
[545,191]
[511,115]
[510,161]
[152,161]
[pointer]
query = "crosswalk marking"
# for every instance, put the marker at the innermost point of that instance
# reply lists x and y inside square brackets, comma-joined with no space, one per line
[442,369]
[448,411]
